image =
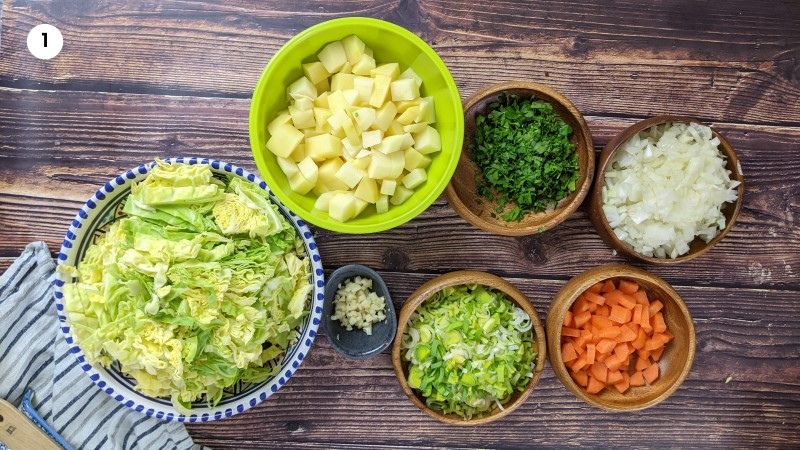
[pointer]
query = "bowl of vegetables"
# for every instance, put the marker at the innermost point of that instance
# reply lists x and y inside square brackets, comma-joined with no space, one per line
[620,338]
[527,162]
[356,124]
[469,348]
[186,291]
[668,189]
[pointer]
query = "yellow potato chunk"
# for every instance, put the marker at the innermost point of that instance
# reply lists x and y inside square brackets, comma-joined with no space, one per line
[409,116]
[371,138]
[323,201]
[309,169]
[365,65]
[364,117]
[333,56]
[401,194]
[415,178]
[364,87]
[323,146]
[415,159]
[315,72]
[342,81]
[302,118]
[410,74]
[284,139]
[404,90]
[322,100]
[382,205]
[326,175]
[302,88]
[367,190]
[427,112]
[342,206]
[288,167]
[384,117]
[353,48]
[380,91]
[300,184]
[391,70]
[388,187]
[350,174]
[427,141]
[283,119]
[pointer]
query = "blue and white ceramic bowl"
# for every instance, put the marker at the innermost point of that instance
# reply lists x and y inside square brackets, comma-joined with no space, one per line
[101,209]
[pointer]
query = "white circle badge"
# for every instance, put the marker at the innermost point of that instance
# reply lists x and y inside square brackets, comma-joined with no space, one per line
[45,41]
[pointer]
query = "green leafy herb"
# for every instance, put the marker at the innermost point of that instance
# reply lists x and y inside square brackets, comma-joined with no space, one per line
[524,151]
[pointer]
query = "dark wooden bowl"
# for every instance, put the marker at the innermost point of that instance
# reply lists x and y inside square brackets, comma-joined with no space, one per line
[675,362]
[461,192]
[455,279]
[696,247]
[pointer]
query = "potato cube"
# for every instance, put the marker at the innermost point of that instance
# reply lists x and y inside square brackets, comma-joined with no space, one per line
[311,132]
[302,118]
[323,86]
[284,139]
[427,113]
[427,141]
[415,127]
[361,205]
[401,194]
[405,89]
[415,159]
[367,190]
[371,138]
[395,129]
[321,116]
[353,48]
[364,87]
[302,88]
[326,174]
[409,116]
[390,144]
[303,103]
[404,105]
[346,68]
[382,205]
[415,178]
[309,169]
[342,81]
[364,153]
[288,167]
[323,146]
[300,184]
[315,72]
[364,117]
[410,74]
[380,91]
[333,56]
[342,206]
[320,189]
[365,65]
[322,100]
[337,102]
[350,131]
[350,174]
[391,70]
[380,166]
[323,201]
[283,119]
[299,153]
[350,97]
[350,150]
[363,162]
[384,117]
[388,187]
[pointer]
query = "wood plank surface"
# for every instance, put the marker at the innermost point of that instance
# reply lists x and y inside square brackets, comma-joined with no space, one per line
[138,80]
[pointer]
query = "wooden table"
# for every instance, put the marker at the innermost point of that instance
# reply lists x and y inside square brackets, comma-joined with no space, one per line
[140,79]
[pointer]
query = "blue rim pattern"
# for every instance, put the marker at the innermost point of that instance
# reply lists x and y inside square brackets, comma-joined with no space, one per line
[154,407]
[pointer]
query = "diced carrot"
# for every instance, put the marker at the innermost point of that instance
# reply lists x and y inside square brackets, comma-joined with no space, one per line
[592,306]
[614,377]
[637,314]
[620,314]
[594,386]
[596,288]
[579,306]
[590,353]
[637,379]
[659,326]
[621,351]
[614,362]
[608,286]
[568,319]
[581,377]
[642,353]
[581,318]
[628,287]
[655,355]
[641,297]
[578,364]
[642,363]
[568,352]
[605,345]
[627,301]
[603,311]
[610,332]
[600,356]
[583,339]
[613,297]
[655,306]
[641,338]
[571,332]
[623,384]
[601,322]
[651,373]
[594,298]
[645,322]
[658,340]
[627,334]
[599,371]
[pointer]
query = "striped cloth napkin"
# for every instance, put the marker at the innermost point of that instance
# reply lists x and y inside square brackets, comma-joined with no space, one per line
[34,355]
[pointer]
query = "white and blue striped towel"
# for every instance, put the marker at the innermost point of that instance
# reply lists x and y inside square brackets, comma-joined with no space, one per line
[34,355]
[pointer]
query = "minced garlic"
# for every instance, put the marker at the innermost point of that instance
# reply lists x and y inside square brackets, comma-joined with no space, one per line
[357,305]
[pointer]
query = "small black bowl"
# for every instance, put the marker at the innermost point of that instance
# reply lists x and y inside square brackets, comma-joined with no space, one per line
[357,344]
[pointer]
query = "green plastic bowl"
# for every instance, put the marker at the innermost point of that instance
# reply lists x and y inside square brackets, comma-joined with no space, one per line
[391,43]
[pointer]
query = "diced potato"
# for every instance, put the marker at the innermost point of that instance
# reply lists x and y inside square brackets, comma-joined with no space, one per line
[401,194]
[337,102]
[283,119]
[315,72]
[367,190]
[346,68]
[364,65]
[342,206]
[326,174]
[427,141]
[319,189]
[364,117]
[321,116]
[302,118]
[395,129]
[364,87]
[284,139]
[350,150]
[303,103]
[309,169]
[427,112]
[404,105]
[350,174]
[350,97]
[323,201]
[322,100]
[415,127]
[300,184]
[299,153]
[353,48]
[391,144]
[380,91]
[415,178]
[363,162]
[361,205]
[350,131]
[371,138]
[364,153]
[384,117]
[288,167]
[311,132]
[323,146]
[388,187]
[386,166]
[323,86]
[302,88]
[391,70]
[415,159]
[342,81]
[405,89]
[409,116]
[333,56]
[410,74]
[382,205]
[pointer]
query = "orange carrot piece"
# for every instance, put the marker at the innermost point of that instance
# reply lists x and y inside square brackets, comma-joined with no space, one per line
[624,384]
[608,286]
[640,339]
[628,287]
[620,314]
[594,298]
[613,297]
[568,319]
[655,355]
[659,326]
[583,339]
[642,353]
[603,311]
[621,351]
[610,333]
[614,377]
[637,314]
[658,340]
[605,346]
[614,362]
[578,364]
[594,386]
[627,334]
[641,297]
[651,373]
[627,301]
[581,318]
[655,306]
[596,288]
[645,322]
[599,371]
[581,377]
[642,363]
[590,353]
[601,322]
[592,307]
[568,352]
[571,332]
[600,357]
[579,306]
[637,379]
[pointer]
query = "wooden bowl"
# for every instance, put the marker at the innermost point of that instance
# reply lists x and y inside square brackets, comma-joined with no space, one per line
[675,362]
[696,247]
[461,192]
[455,279]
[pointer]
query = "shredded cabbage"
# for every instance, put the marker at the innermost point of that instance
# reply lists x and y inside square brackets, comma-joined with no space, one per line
[468,349]
[201,284]
[666,186]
